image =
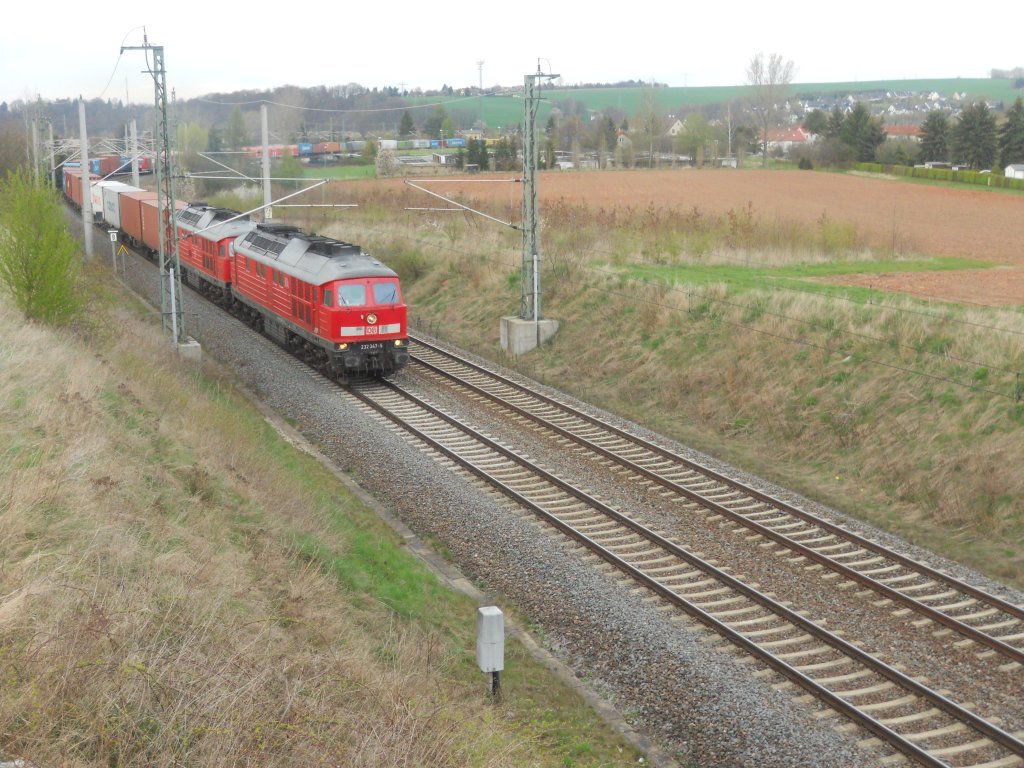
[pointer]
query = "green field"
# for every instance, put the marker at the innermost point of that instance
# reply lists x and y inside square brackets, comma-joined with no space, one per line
[508,110]
[313,171]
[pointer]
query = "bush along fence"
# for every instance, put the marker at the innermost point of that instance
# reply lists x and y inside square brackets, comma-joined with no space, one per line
[982,178]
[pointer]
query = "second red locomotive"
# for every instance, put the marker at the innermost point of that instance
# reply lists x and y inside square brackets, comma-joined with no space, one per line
[325,300]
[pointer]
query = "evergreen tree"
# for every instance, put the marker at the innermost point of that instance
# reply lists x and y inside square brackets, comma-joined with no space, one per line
[935,138]
[1011,135]
[433,125]
[236,136]
[406,127]
[476,154]
[611,135]
[289,167]
[816,122]
[974,137]
[834,125]
[214,142]
[504,157]
[863,133]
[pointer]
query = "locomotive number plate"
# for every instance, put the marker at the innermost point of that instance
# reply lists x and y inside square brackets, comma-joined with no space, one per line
[376,345]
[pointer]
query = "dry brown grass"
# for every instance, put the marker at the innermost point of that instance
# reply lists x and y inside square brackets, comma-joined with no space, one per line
[152,608]
[797,387]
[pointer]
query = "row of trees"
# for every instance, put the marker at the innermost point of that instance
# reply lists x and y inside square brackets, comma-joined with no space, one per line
[843,137]
[974,138]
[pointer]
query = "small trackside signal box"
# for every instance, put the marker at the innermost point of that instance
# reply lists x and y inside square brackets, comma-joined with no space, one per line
[490,639]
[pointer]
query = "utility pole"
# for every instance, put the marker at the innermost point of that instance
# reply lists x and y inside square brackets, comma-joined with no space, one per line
[268,213]
[480,66]
[170,265]
[87,217]
[134,153]
[35,150]
[51,158]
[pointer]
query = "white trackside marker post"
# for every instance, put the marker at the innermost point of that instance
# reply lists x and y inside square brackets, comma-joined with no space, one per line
[490,647]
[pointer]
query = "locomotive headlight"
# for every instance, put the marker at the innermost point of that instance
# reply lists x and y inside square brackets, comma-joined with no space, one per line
[399,342]
[342,347]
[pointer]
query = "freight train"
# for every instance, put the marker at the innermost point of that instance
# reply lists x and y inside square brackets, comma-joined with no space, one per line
[326,301]
[320,149]
[114,165]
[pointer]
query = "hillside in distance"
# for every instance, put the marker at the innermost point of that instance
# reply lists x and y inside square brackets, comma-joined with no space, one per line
[354,109]
[507,109]
[380,111]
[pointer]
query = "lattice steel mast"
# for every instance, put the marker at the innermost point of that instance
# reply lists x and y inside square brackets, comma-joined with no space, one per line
[529,308]
[170,265]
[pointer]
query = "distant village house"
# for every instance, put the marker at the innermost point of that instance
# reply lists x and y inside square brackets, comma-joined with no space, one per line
[906,132]
[787,138]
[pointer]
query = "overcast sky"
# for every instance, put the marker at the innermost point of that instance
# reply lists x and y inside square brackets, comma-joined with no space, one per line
[59,49]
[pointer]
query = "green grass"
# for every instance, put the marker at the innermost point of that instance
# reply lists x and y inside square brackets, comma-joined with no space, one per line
[340,171]
[203,561]
[798,276]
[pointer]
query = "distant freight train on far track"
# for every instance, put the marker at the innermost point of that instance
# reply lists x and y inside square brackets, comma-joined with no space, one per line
[324,300]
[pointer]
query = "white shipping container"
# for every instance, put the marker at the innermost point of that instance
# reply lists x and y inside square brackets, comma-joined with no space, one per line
[389,144]
[112,201]
[96,195]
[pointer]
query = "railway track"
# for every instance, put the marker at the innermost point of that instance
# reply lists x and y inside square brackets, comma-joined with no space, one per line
[905,716]
[970,616]
[910,719]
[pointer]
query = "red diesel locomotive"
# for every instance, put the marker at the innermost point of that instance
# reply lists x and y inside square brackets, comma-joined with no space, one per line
[326,301]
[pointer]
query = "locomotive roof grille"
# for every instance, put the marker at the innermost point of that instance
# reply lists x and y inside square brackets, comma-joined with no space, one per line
[259,242]
[308,257]
[189,216]
[222,214]
[325,246]
[278,229]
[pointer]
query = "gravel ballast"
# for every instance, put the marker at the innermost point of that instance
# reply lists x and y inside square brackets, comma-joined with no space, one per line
[675,682]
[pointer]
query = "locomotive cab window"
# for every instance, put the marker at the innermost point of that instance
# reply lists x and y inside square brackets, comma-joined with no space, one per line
[351,294]
[385,292]
[328,298]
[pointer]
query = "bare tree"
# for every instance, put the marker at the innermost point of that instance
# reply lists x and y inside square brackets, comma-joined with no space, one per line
[649,122]
[769,80]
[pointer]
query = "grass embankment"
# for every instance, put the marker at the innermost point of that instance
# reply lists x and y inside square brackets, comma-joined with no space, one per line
[718,331]
[180,586]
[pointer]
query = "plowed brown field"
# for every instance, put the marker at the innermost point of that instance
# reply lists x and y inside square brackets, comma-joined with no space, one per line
[890,214]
